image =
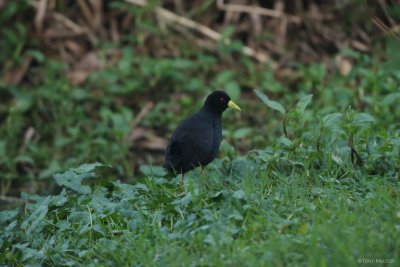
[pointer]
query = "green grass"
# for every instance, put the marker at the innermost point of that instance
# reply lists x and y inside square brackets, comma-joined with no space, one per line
[262,209]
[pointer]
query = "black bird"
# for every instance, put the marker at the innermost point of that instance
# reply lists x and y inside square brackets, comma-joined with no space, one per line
[196,140]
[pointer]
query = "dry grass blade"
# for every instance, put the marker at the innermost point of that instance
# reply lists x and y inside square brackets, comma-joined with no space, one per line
[16,75]
[77,29]
[97,6]
[210,33]
[142,113]
[256,10]
[392,32]
[40,14]
[360,46]
[87,13]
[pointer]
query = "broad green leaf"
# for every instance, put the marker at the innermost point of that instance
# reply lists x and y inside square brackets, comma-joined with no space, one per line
[51,169]
[233,89]
[239,194]
[303,103]
[183,201]
[303,228]
[242,132]
[270,103]
[24,159]
[316,190]
[235,215]
[87,167]
[72,180]
[227,32]
[224,77]
[240,166]
[150,170]
[28,253]
[391,98]
[61,199]
[142,187]
[182,63]
[362,119]
[285,141]
[8,215]
[37,55]
[332,120]
[32,223]
[22,105]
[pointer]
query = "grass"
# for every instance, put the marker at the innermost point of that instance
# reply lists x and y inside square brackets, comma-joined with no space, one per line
[263,209]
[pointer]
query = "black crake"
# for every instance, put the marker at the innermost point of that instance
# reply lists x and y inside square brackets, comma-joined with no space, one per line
[196,140]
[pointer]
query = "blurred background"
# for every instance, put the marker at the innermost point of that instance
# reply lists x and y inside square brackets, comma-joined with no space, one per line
[108,81]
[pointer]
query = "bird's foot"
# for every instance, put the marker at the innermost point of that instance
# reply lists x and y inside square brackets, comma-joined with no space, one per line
[182,184]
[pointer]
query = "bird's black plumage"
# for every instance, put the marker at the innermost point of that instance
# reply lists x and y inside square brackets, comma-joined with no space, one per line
[196,140]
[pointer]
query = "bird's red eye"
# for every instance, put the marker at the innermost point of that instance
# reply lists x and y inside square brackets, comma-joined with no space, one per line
[222,100]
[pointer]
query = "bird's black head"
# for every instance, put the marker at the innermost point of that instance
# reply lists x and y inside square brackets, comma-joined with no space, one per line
[218,101]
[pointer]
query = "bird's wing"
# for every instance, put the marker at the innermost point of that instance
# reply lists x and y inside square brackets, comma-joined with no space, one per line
[190,145]
[174,154]
[175,148]
[195,143]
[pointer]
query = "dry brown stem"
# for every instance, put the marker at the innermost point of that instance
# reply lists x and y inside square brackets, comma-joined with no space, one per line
[257,10]
[169,16]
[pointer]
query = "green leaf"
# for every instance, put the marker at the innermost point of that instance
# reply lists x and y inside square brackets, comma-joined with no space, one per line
[38,55]
[182,63]
[149,170]
[8,215]
[33,222]
[285,141]
[28,253]
[332,119]
[239,194]
[224,77]
[391,98]
[240,166]
[87,167]
[22,105]
[227,32]
[362,119]
[233,89]
[74,181]
[24,159]
[73,178]
[51,169]
[242,132]
[303,229]
[303,103]
[272,104]
[183,201]
[61,199]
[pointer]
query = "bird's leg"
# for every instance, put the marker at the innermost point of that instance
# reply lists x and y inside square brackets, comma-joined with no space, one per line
[182,183]
[201,178]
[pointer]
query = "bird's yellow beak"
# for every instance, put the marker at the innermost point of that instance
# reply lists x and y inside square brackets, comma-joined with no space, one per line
[232,105]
